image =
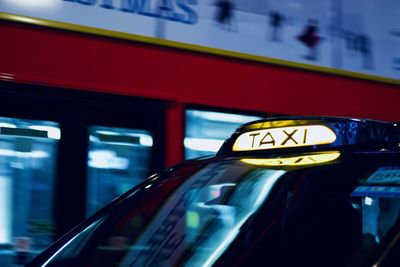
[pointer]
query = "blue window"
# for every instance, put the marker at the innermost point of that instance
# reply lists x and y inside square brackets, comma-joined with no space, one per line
[206,131]
[28,154]
[118,159]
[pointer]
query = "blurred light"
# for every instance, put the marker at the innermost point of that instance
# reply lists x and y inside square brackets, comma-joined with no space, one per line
[33,3]
[8,152]
[93,138]
[17,165]
[7,125]
[6,76]
[203,144]
[224,117]
[37,154]
[107,159]
[192,219]
[5,210]
[146,140]
[216,189]
[368,201]
[216,192]
[33,154]
[52,132]
[107,132]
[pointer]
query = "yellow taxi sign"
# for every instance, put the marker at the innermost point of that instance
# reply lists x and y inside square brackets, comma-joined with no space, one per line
[284,137]
[294,161]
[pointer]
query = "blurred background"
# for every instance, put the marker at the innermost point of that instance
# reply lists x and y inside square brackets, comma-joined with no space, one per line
[96,95]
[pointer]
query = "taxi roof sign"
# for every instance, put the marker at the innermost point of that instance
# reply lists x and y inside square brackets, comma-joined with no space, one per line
[307,133]
[284,137]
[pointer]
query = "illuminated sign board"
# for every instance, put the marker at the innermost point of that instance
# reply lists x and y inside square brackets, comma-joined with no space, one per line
[292,33]
[377,191]
[293,161]
[389,174]
[284,137]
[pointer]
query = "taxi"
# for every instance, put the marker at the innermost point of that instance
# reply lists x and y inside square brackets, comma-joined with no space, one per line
[285,191]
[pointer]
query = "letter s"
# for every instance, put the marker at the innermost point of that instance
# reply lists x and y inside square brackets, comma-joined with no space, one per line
[191,14]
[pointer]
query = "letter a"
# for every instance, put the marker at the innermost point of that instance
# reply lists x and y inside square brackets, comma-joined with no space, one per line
[271,140]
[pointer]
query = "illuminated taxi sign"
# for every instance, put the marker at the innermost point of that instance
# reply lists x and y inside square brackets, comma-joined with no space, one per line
[284,137]
[294,161]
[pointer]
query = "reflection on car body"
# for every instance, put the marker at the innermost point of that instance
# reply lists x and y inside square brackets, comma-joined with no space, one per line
[280,192]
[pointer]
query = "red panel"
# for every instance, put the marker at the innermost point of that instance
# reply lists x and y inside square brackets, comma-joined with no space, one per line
[174,134]
[39,55]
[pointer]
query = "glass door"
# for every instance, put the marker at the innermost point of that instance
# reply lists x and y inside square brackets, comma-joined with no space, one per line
[118,159]
[28,155]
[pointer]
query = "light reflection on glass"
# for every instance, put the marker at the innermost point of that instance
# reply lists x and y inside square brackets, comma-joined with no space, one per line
[256,194]
[82,236]
[202,216]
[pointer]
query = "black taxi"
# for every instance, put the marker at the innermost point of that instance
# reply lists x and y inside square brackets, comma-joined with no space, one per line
[285,191]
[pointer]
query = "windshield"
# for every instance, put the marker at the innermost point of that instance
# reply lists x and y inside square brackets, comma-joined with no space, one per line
[178,221]
[377,200]
[202,216]
[234,213]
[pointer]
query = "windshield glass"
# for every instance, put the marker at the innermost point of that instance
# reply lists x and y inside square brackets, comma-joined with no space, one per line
[377,200]
[234,213]
[203,215]
[192,225]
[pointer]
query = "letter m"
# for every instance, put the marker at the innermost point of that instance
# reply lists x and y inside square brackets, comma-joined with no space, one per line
[133,6]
